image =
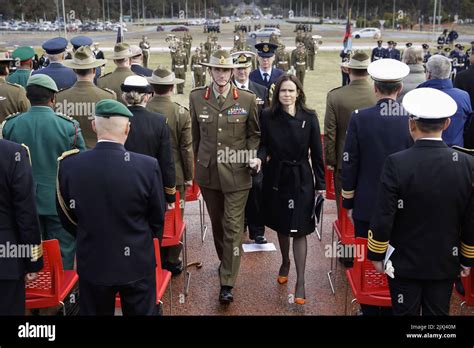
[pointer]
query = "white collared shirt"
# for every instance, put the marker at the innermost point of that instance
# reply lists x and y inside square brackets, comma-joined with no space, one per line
[242,85]
[107,141]
[437,139]
[269,72]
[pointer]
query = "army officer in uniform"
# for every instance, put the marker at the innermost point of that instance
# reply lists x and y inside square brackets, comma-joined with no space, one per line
[24,55]
[224,122]
[425,211]
[79,100]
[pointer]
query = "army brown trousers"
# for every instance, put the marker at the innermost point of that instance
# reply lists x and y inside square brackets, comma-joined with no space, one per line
[227,212]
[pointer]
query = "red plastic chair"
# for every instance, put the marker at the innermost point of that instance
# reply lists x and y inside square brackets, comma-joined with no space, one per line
[343,227]
[53,283]
[329,178]
[468,298]
[368,286]
[174,227]
[163,278]
[193,193]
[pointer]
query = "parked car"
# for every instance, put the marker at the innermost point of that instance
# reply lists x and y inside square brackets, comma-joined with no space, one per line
[265,32]
[367,32]
[180,28]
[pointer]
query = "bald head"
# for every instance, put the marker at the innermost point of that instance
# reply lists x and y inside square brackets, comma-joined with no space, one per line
[112,128]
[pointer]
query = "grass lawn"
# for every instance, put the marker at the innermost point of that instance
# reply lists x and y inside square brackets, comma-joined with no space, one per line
[317,84]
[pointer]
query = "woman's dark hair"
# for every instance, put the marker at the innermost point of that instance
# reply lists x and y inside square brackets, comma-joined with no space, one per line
[275,106]
[4,68]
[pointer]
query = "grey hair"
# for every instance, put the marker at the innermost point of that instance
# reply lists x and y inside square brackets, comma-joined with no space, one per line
[412,56]
[439,67]
[133,98]
[56,57]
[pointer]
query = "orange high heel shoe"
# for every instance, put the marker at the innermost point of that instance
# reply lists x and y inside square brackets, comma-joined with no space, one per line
[282,280]
[300,301]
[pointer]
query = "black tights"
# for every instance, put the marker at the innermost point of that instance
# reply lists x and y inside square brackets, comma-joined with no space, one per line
[300,249]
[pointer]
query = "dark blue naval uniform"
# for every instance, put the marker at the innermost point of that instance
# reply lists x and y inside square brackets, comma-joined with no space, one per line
[256,76]
[425,210]
[63,76]
[378,53]
[118,209]
[373,134]
[393,54]
[19,225]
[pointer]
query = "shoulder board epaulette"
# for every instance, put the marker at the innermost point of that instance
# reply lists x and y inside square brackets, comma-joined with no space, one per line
[68,153]
[110,91]
[66,117]
[14,84]
[181,106]
[27,151]
[335,89]
[464,150]
[198,88]
[9,117]
[105,75]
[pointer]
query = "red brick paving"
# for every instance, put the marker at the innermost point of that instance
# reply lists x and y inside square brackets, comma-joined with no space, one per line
[257,291]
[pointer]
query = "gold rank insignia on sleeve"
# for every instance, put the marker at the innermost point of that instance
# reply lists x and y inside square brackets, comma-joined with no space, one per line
[170,190]
[36,252]
[348,194]
[467,251]
[376,246]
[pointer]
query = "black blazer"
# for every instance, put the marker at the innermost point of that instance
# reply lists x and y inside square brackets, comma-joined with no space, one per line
[149,135]
[465,81]
[256,77]
[18,217]
[425,210]
[118,206]
[262,94]
[140,70]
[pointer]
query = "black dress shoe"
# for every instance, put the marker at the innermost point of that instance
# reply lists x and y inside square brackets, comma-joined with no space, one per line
[174,269]
[260,240]
[225,296]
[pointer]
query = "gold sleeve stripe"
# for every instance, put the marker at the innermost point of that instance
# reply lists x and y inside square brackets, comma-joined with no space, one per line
[377,249]
[27,150]
[467,247]
[348,194]
[36,252]
[371,239]
[170,190]
[467,253]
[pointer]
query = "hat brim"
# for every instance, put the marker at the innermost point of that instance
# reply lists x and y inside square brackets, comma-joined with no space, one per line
[152,81]
[69,63]
[223,66]
[121,56]
[364,66]
[266,55]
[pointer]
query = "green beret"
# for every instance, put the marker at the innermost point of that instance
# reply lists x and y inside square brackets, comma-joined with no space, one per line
[42,80]
[111,108]
[23,53]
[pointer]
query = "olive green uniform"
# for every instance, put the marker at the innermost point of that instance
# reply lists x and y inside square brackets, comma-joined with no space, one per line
[179,69]
[230,125]
[79,102]
[341,103]
[197,69]
[282,59]
[145,46]
[113,81]
[179,123]
[299,61]
[12,99]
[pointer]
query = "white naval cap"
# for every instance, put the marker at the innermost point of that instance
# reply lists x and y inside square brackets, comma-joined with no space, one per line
[388,70]
[429,104]
[136,83]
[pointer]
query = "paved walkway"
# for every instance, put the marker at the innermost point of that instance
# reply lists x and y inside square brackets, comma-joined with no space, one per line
[257,291]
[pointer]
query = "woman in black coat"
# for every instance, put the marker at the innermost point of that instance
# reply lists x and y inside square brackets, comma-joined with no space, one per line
[290,134]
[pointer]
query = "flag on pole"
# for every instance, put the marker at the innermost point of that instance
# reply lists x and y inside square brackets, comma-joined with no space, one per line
[120,34]
[347,41]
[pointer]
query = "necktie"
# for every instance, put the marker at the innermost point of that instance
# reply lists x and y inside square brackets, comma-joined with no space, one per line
[220,100]
[265,77]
